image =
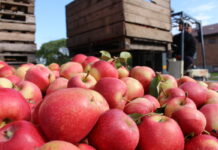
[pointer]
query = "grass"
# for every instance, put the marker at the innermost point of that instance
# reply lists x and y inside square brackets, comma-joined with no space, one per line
[214,76]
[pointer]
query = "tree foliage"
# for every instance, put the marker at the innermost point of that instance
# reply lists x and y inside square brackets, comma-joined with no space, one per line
[52,52]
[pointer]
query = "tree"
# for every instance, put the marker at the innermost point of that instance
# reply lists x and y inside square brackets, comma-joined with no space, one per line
[53,51]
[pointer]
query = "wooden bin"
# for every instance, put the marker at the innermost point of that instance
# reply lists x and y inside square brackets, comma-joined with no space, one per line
[117,25]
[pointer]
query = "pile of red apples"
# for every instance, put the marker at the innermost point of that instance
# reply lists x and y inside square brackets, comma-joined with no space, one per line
[89,104]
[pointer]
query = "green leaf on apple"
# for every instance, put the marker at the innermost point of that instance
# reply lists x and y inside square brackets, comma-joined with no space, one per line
[105,55]
[154,88]
[137,117]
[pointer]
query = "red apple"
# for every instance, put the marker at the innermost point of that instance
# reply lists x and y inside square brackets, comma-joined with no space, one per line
[22,69]
[113,90]
[139,106]
[177,103]
[190,120]
[80,58]
[154,101]
[71,110]
[41,76]
[212,97]
[54,67]
[134,88]
[82,80]
[160,133]
[83,146]
[6,71]
[13,106]
[202,142]
[14,79]
[165,96]
[101,69]
[70,68]
[123,72]
[5,83]
[89,61]
[210,111]
[144,75]
[167,82]
[58,145]
[213,86]
[20,135]
[59,83]
[114,131]
[2,64]
[184,79]
[195,92]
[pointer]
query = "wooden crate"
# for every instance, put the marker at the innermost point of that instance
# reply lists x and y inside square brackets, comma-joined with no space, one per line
[89,22]
[17,37]
[17,47]
[8,16]
[8,26]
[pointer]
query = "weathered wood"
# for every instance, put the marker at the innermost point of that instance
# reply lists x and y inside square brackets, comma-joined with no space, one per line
[27,18]
[163,3]
[133,30]
[17,36]
[147,47]
[5,26]
[17,47]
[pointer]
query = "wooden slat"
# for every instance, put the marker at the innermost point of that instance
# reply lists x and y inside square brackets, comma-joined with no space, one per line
[17,47]
[163,3]
[17,27]
[28,17]
[147,47]
[17,36]
[107,32]
[133,30]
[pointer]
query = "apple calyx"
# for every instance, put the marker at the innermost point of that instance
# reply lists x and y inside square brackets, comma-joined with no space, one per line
[5,122]
[214,131]
[8,134]
[189,136]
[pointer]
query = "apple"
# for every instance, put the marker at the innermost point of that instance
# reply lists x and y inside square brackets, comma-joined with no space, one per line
[113,90]
[71,110]
[30,92]
[202,142]
[22,69]
[210,111]
[203,84]
[177,103]
[58,145]
[160,133]
[40,76]
[82,80]
[59,83]
[139,106]
[114,131]
[154,101]
[165,96]
[69,69]
[5,83]
[144,75]
[123,72]
[6,71]
[80,58]
[167,82]
[14,79]
[20,135]
[213,86]
[184,79]
[212,97]
[134,88]
[89,61]
[195,92]
[101,69]
[84,146]
[13,106]
[2,64]
[54,67]
[190,120]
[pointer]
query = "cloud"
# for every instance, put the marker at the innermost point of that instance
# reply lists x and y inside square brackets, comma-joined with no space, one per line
[205,19]
[203,8]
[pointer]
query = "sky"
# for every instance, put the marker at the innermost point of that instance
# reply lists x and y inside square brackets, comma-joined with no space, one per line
[51,20]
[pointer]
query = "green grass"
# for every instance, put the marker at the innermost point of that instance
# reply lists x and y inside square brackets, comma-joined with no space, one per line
[214,76]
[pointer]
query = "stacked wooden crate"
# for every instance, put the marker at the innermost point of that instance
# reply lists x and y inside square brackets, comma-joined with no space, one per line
[17,31]
[117,25]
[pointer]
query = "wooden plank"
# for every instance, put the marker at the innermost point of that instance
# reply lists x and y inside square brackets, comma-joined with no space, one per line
[17,27]
[163,3]
[138,31]
[107,32]
[20,47]
[17,36]
[28,18]
[147,47]
[21,1]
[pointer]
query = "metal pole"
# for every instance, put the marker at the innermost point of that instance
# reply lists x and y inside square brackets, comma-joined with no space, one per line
[202,45]
[182,44]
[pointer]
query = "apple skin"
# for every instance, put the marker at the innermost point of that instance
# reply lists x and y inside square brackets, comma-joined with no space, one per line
[30,92]
[212,97]
[54,67]
[69,69]
[202,142]
[139,106]
[210,112]
[14,79]
[6,71]
[113,90]
[213,86]
[2,64]
[13,106]
[167,95]
[80,58]
[89,61]
[101,69]
[122,130]
[83,146]
[167,82]
[184,79]
[82,80]
[5,83]
[24,136]
[160,133]
[154,101]
[64,112]
[59,83]
[134,88]
[144,75]
[190,120]
[22,69]
[195,92]
[123,72]
[177,103]
[58,145]
[40,76]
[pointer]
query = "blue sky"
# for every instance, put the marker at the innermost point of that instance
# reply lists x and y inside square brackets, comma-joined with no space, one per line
[51,21]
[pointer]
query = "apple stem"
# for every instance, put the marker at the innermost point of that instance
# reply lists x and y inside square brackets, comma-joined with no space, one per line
[85,79]
[206,132]
[8,134]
